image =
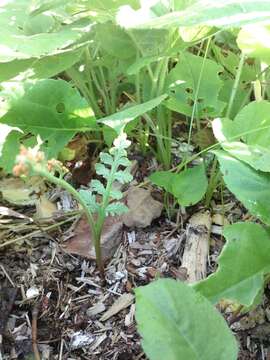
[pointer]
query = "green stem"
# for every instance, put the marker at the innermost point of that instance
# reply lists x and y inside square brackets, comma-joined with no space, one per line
[236,84]
[194,109]
[65,185]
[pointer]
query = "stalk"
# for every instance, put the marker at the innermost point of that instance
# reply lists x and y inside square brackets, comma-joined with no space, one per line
[96,235]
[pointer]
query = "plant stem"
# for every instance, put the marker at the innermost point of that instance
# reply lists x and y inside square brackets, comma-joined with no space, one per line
[96,235]
[236,84]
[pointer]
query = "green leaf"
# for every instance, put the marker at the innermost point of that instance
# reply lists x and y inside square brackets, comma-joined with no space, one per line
[52,109]
[243,262]
[120,119]
[116,208]
[255,155]
[188,187]
[253,123]
[115,41]
[123,176]
[254,41]
[106,158]
[116,194]
[9,146]
[98,187]
[182,83]
[177,323]
[251,187]
[90,200]
[102,170]
[24,35]
[224,13]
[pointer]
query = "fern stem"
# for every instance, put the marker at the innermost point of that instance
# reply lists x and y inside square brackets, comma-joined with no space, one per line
[96,234]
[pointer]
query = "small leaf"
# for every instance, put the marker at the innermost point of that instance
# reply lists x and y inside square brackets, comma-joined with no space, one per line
[106,158]
[243,262]
[102,170]
[123,161]
[123,176]
[90,200]
[120,119]
[116,194]
[178,323]
[98,187]
[188,187]
[116,208]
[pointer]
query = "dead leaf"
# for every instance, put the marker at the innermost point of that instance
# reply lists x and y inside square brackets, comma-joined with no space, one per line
[121,303]
[82,243]
[18,192]
[4,211]
[44,208]
[142,208]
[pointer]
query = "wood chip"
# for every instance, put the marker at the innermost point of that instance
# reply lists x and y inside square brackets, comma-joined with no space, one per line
[197,246]
[121,303]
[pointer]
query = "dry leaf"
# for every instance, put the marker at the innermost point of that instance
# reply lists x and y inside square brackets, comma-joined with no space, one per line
[44,208]
[4,211]
[121,303]
[82,243]
[142,208]
[18,192]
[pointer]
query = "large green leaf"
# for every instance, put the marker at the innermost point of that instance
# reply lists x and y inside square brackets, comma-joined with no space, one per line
[24,36]
[244,261]
[255,155]
[254,40]
[222,13]
[115,41]
[188,187]
[182,83]
[251,187]
[253,122]
[52,109]
[120,119]
[176,323]
[45,67]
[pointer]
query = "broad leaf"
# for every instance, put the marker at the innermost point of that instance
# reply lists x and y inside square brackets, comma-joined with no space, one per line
[254,41]
[224,13]
[255,155]
[244,261]
[251,187]
[120,119]
[253,122]
[182,83]
[177,323]
[188,187]
[52,109]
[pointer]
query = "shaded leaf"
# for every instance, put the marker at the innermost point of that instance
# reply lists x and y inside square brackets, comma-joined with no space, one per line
[251,187]
[188,187]
[120,119]
[178,323]
[182,83]
[243,262]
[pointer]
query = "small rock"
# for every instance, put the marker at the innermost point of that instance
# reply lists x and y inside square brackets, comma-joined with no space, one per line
[142,208]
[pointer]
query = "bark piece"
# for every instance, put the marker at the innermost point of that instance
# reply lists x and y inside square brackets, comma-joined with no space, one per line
[121,303]
[142,208]
[82,243]
[197,246]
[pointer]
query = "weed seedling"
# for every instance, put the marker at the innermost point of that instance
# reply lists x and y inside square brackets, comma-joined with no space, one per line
[31,162]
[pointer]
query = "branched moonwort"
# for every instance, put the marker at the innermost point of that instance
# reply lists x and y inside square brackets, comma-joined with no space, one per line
[113,167]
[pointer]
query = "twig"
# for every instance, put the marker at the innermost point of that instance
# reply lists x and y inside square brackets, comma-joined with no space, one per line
[7,276]
[34,332]
[38,232]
